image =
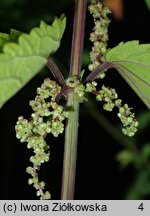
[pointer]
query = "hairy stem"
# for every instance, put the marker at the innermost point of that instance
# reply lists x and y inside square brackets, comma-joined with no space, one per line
[71,131]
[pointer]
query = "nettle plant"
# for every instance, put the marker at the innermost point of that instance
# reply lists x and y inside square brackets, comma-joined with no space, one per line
[24,55]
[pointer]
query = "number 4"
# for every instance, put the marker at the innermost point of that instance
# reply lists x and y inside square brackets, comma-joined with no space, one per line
[141,207]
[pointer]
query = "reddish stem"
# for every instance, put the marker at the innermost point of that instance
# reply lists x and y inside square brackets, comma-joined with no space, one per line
[78,34]
[71,130]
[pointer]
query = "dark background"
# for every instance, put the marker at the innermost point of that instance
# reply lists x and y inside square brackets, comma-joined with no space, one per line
[99,174]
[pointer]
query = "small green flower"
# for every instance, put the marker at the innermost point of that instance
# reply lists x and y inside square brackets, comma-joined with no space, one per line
[46,196]
[49,89]
[30,181]
[30,171]
[57,128]
[38,193]
[78,87]
[91,86]
[129,122]
[23,129]
[109,106]
[42,184]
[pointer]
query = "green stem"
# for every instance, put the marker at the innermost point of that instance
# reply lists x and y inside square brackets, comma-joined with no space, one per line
[71,130]
[70,152]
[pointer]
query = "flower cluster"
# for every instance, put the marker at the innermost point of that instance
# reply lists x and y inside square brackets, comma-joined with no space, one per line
[91,86]
[77,87]
[39,186]
[128,119]
[48,117]
[110,99]
[108,96]
[99,36]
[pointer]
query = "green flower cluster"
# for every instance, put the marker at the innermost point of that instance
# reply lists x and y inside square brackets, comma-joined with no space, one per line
[128,119]
[108,96]
[49,89]
[91,86]
[110,99]
[39,186]
[99,36]
[77,87]
[48,117]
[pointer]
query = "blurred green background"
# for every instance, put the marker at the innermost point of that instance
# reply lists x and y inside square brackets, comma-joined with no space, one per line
[109,165]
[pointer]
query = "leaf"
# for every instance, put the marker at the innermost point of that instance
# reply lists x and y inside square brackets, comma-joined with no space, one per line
[3,39]
[132,61]
[13,37]
[148,3]
[20,61]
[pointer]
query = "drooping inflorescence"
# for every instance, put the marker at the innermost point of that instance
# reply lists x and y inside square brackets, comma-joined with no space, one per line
[110,99]
[47,118]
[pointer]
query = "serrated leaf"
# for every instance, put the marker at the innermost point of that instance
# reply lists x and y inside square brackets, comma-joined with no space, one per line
[20,61]
[3,39]
[12,37]
[132,60]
